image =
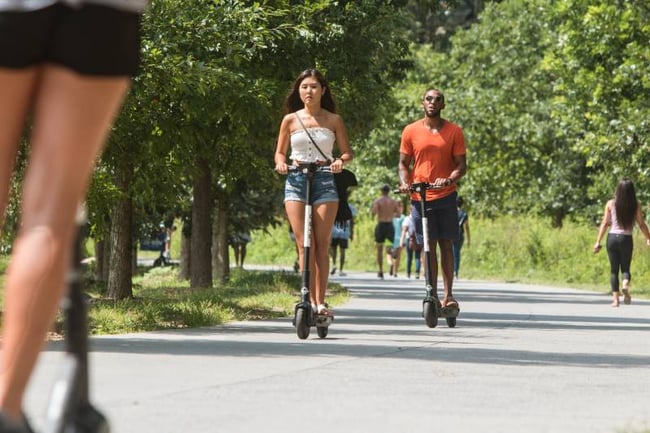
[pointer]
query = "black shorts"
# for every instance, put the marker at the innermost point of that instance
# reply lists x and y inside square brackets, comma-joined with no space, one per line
[384,231]
[91,40]
[343,243]
[442,218]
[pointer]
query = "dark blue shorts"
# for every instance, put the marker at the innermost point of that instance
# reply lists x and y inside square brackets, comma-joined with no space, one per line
[91,40]
[323,188]
[442,218]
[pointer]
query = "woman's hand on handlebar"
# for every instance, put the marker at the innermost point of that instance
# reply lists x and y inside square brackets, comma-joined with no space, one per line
[337,165]
[282,168]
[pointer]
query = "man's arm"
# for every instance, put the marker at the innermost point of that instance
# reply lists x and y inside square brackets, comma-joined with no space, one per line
[460,163]
[403,172]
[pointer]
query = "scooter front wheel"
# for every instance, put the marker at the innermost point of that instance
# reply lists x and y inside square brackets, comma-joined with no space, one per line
[322,331]
[430,314]
[302,323]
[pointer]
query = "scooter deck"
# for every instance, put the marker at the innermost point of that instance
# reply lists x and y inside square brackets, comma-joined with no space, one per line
[323,321]
[445,312]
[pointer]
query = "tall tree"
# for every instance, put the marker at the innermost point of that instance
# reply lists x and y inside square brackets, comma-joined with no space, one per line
[600,67]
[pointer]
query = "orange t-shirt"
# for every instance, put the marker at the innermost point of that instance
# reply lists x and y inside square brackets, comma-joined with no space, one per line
[432,154]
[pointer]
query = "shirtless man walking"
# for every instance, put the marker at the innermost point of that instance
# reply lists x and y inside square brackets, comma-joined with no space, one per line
[385,208]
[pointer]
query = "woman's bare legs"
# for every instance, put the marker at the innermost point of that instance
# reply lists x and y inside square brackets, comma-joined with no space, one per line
[72,115]
[323,216]
[16,88]
[296,214]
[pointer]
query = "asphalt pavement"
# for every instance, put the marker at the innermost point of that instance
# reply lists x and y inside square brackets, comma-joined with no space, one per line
[522,358]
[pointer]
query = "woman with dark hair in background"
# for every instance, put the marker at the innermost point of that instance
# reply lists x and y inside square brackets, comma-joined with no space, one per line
[620,214]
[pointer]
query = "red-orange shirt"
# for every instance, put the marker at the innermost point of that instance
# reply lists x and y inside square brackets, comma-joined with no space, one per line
[432,154]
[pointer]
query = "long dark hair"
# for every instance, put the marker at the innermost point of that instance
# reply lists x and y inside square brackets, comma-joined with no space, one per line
[625,203]
[293,103]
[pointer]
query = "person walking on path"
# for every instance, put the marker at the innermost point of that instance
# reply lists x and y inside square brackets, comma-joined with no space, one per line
[311,118]
[395,254]
[66,68]
[342,235]
[385,209]
[239,241]
[436,149]
[620,214]
[413,250]
[463,234]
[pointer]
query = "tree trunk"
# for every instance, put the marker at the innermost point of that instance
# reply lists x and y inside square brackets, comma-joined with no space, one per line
[200,256]
[134,258]
[106,259]
[100,261]
[120,269]
[220,258]
[558,218]
[186,246]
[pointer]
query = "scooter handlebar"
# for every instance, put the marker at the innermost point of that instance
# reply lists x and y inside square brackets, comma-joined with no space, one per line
[305,168]
[419,186]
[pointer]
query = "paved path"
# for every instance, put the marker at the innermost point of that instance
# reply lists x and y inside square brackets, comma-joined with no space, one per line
[522,359]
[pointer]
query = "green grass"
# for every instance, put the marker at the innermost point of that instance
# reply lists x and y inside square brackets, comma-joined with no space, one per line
[513,249]
[162,302]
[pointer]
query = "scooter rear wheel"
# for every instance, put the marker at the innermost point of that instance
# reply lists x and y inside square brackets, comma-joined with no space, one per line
[302,323]
[430,314]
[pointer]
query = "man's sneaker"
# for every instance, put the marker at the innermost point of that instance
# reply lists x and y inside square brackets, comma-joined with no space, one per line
[380,275]
[333,271]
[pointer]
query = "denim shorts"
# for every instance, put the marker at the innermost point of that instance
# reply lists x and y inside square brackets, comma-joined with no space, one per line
[91,40]
[323,187]
[442,218]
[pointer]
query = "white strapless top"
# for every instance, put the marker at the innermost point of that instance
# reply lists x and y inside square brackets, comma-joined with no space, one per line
[302,148]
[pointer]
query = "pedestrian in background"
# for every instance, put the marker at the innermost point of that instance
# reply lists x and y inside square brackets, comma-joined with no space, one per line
[395,253]
[409,243]
[463,234]
[620,214]
[238,242]
[342,235]
[385,209]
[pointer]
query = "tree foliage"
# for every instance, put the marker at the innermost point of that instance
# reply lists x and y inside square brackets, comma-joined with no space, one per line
[551,95]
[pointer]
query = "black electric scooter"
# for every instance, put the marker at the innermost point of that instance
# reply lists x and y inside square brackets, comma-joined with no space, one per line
[69,409]
[305,317]
[432,309]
